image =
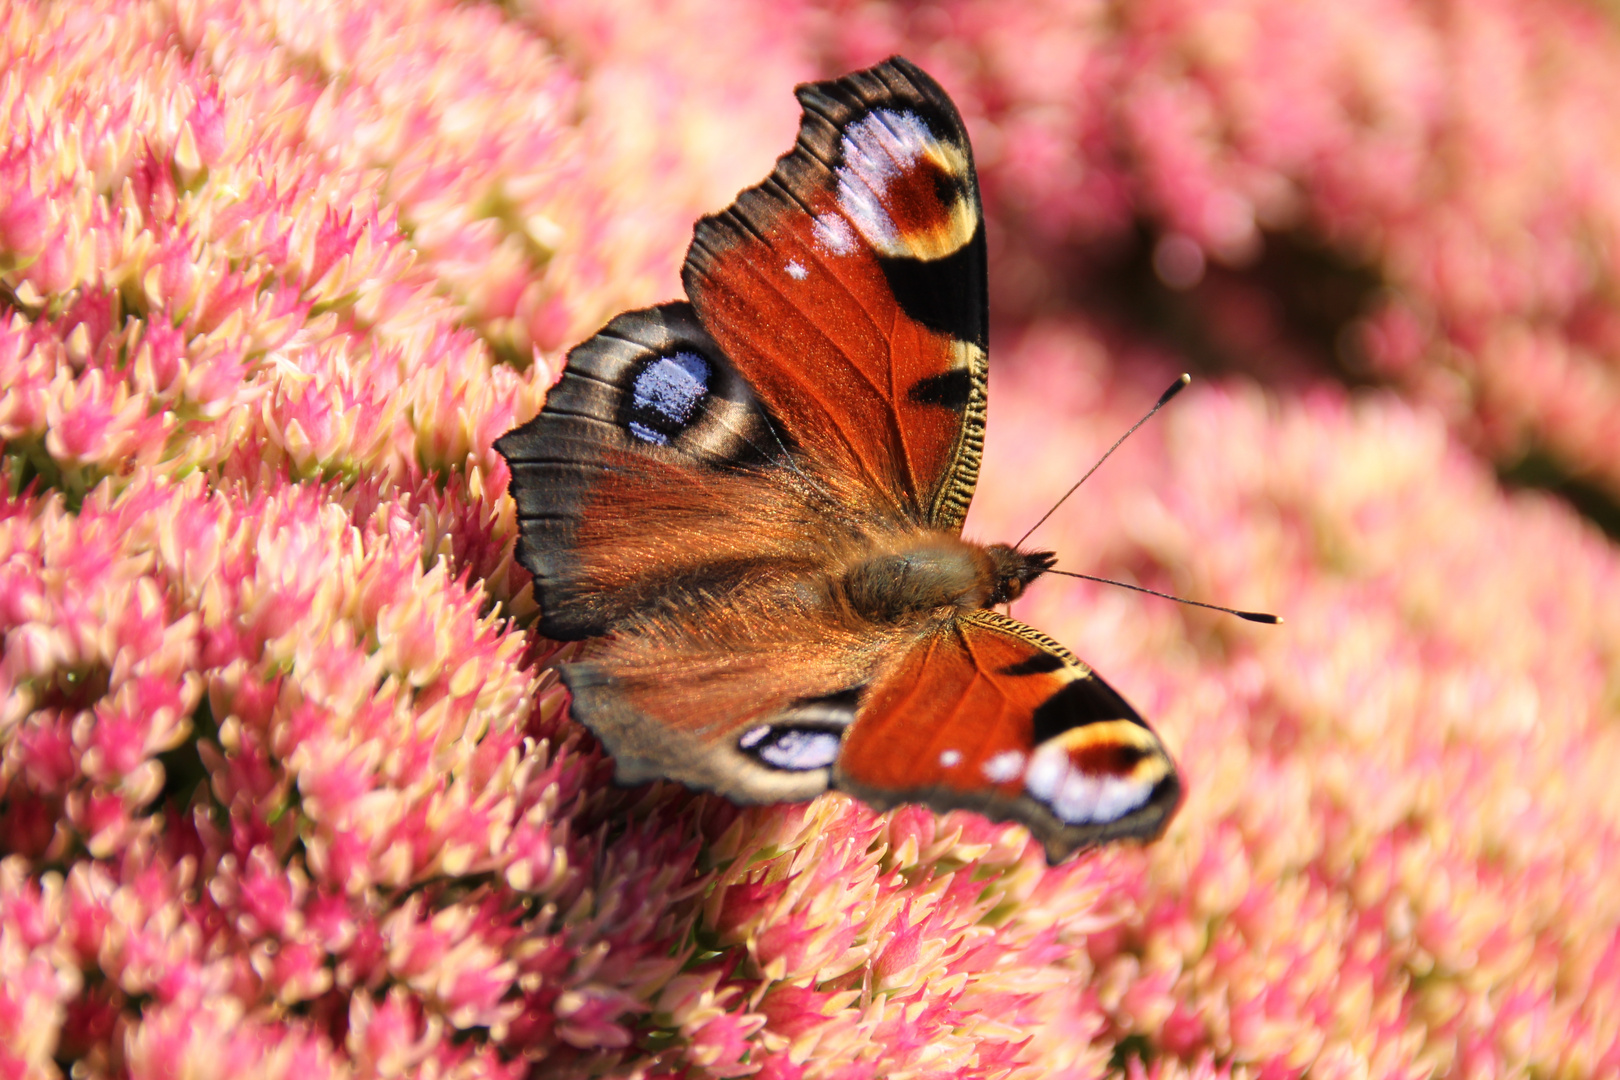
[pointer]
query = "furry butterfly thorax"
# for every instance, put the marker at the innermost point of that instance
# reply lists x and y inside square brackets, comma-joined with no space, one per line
[754,499]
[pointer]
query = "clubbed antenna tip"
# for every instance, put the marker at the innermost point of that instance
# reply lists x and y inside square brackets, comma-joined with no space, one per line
[1175,388]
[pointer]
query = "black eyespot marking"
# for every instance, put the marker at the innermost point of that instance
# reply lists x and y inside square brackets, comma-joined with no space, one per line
[951,389]
[947,295]
[1039,664]
[792,749]
[948,188]
[1084,701]
[665,395]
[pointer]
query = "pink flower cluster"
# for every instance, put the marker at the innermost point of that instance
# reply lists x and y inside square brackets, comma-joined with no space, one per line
[286,789]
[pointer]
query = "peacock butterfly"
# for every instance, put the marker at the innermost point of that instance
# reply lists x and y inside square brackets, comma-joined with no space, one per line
[755,498]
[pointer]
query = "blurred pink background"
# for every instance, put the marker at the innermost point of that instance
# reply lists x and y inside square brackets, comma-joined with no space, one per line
[287,791]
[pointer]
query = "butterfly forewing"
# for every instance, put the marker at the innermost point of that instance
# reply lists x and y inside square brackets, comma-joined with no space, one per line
[849,290]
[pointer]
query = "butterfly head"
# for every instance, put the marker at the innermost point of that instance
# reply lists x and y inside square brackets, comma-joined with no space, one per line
[1014,570]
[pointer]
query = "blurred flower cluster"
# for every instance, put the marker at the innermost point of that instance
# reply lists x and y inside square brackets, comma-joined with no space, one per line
[287,790]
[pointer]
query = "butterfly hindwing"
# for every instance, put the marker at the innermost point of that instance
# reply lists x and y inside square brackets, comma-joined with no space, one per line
[754,748]
[988,714]
[850,290]
[648,403]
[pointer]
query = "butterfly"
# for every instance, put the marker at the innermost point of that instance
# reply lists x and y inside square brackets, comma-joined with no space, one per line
[754,499]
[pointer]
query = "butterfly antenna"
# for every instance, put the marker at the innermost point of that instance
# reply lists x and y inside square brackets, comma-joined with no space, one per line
[1164,398]
[1251,616]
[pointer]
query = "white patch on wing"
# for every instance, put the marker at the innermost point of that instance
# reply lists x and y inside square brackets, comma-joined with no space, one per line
[880,149]
[1047,768]
[950,758]
[1003,767]
[833,233]
[876,150]
[1077,797]
[1119,797]
[796,270]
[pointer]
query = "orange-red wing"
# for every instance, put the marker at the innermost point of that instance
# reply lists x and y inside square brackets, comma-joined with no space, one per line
[849,290]
[991,715]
